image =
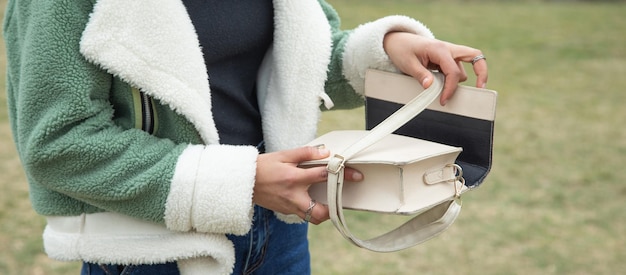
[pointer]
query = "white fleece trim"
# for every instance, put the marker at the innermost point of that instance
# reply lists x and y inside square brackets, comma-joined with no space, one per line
[153,45]
[364,48]
[111,238]
[297,70]
[211,190]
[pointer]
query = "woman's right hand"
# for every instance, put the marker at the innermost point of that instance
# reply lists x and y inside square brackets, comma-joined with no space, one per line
[282,186]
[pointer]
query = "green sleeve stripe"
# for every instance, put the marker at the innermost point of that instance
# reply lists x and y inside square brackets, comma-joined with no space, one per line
[145,112]
[137,108]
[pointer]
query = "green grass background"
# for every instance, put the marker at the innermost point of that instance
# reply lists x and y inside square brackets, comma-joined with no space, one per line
[554,201]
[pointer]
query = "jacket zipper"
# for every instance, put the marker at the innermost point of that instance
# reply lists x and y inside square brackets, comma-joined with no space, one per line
[147,115]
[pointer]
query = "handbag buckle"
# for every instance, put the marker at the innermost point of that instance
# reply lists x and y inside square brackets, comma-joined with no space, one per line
[335,164]
[459,181]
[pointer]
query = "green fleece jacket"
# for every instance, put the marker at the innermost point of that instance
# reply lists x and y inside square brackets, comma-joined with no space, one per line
[84,79]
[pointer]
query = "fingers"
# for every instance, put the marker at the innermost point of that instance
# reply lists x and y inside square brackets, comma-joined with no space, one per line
[319,212]
[304,153]
[314,212]
[283,186]
[456,74]
[353,175]
[480,68]
[316,174]
[451,83]
[422,74]
[416,55]
[404,51]
[476,58]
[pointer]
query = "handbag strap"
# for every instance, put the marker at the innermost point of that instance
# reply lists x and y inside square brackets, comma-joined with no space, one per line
[391,124]
[421,227]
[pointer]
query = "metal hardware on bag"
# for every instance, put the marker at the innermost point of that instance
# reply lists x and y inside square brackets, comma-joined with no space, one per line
[458,173]
[335,164]
[459,188]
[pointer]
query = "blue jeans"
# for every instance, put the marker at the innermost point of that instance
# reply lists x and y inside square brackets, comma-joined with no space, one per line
[271,247]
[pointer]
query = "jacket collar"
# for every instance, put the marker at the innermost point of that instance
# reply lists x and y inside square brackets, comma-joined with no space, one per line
[295,72]
[152,45]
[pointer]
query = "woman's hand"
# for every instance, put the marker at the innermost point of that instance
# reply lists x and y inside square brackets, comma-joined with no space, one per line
[282,186]
[416,55]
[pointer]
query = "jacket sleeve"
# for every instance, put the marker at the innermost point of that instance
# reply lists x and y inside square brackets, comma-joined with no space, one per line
[355,51]
[70,145]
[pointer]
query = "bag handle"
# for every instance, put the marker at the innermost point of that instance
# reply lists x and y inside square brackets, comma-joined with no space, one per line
[391,124]
[421,227]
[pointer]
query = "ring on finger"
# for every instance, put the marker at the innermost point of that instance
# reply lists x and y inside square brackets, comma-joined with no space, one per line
[309,211]
[477,58]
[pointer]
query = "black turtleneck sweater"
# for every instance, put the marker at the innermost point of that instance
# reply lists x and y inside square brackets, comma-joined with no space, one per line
[234,35]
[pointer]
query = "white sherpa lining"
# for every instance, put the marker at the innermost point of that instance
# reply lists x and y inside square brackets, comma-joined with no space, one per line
[117,239]
[296,68]
[127,39]
[364,49]
[215,200]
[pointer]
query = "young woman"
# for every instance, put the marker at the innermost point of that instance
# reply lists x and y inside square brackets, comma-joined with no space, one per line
[163,136]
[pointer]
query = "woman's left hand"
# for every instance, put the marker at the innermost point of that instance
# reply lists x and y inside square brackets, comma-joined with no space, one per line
[416,55]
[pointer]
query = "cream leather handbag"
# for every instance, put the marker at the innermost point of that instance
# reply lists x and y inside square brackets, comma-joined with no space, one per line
[404,174]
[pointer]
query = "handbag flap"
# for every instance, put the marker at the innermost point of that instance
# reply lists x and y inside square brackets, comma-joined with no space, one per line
[393,149]
[467,120]
[467,101]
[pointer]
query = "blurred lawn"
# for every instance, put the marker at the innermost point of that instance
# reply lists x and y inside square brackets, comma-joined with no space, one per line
[554,201]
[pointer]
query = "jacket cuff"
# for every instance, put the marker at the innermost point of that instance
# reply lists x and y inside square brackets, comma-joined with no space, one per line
[364,48]
[211,190]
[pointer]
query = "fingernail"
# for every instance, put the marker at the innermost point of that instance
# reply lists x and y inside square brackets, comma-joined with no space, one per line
[321,148]
[484,85]
[424,82]
[357,176]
